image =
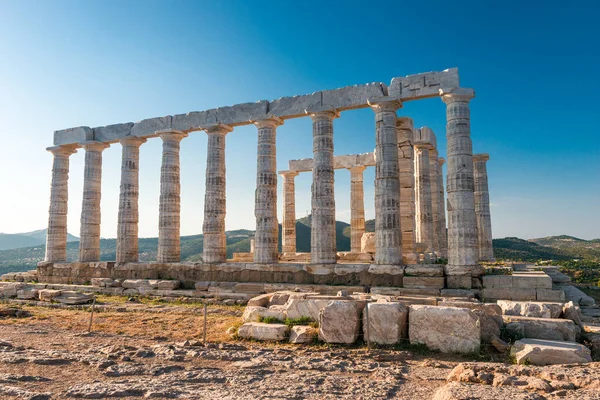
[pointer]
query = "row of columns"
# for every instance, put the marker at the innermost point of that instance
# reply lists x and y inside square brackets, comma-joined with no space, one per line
[395,235]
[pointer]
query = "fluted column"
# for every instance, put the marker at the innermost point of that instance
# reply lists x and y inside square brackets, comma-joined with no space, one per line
[443,234]
[423,197]
[482,207]
[89,236]
[435,205]
[357,207]
[322,236]
[288,225]
[388,233]
[265,199]
[56,235]
[169,246]
[215,206]
[404,128]
[463,252]
[128,218]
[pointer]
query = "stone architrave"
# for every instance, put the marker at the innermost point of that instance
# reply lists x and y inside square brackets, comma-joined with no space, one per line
[404,126]
[323,237]
[169,247]
[56,237]
[463,251]
[357,207]
[423,196]
[442,232]
[89,240]
[128,218]
[215,243]
[388,233]
[288,228]
[265,200]
[482,207]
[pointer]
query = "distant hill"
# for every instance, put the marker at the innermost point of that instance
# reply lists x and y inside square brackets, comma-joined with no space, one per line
[27,239]
[513,248]
[577,248]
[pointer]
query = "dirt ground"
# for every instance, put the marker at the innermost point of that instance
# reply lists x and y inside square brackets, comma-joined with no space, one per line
[149,350]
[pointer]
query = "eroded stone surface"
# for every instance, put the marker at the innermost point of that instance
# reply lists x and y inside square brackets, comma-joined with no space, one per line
[548,352]
[339,322]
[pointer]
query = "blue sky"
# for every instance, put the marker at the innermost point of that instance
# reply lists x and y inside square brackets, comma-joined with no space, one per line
[532,64]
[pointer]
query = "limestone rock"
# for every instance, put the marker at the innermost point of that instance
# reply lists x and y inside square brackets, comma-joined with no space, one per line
[541,328]
[548,352]
[387,322]
[447,329]
[577,296]
[168,285]
[49,294]
[254,314]
[140,283]
[302,334]
[490,318]
[279,299]
[570,311]
[339,322]
[102,282]
[531,309]
[298,308]
[367,243]
[499,344]
[260,331]
[260,301]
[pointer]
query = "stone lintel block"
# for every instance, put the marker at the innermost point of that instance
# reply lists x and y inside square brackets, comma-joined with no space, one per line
[150,127]
[345,269]
[194,121]
[550,295]
[424,282]
[380,269]
[536,281]
[419,86]
[242,114]
[73,135]
[351,97]
[497,281]
[424,270]
[425,137]
[459,281]
[112,133]
[296,106]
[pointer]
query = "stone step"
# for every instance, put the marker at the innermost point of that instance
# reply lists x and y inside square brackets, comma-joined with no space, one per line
[540,328]
[549,352]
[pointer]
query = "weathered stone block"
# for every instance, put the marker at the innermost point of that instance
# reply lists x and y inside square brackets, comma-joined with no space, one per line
[367,242]
[254,314]
[311,308]
[112,133]
[424,270]
[541,328]
[577,296]
[532,281]
[458,281]
[242,114]
[49,294]
[303,334]
[447,329]
[194,121]
[424,282]
[278,299]
[550,295]
[350,97]
[260,301]
[260,331]
[548,352]
[202,286]
[531,309]
[168,285]
[339,322]
[387,322]
[149,127]
[497,281]
[423,85]
[490,317]
[102,282]
[73,135]
[296,106]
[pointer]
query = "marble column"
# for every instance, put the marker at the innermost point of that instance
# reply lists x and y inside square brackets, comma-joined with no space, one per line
[89,234]
[404,126]
[323,235]
[215,242]
[435,204]
[288,225]
[482,207]
[265,198]
[423,197]
[463,251]
[357,207]
[56,236]
[443,234]
[388,233]
[128,218]
[169,246]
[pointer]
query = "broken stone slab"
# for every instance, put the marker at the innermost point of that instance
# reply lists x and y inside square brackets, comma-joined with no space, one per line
[387,322]
[168,284]
[577,296]
[140,283]
[261,331]
[572,312]
[489,314]
[311,308]
[254,314]
[540,328]
[279,299]
[73,298]
[531,309]
[339,322]
[261,300]
[28,294]
[303,334]
[549,352]
[102,282]
[49,294]
[73,135]
[447,329]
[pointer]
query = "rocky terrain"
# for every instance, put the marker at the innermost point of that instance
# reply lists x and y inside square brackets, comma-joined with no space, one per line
[155,351]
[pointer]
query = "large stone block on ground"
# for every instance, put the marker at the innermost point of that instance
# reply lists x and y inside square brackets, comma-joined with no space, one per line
[260,301]
[489,314]
[311,308]
[548,352]
[303,334]
[339,322]
[531,309]
[387,322]
[540,328]
[168,284]
[447,329]
[260,331]
[49,294]
[254,314]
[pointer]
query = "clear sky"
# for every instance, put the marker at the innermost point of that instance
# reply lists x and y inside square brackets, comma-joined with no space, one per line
[533,64]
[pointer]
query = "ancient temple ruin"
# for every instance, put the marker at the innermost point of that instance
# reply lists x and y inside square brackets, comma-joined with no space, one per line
[410,211]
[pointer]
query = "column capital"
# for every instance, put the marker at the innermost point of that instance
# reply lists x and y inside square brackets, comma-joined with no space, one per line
[288,174]
[269,121]
[458,94]
[65,150]
[404,123]
[324,112]
[218,129]
[132,141]
[357,168]
[481,157]
[423,145]
[92,145]
[441,161]
[384,103]
[169,135]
